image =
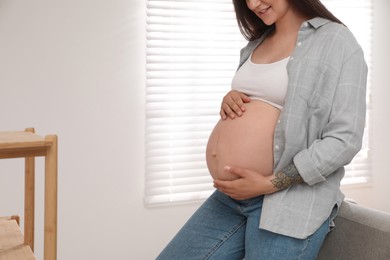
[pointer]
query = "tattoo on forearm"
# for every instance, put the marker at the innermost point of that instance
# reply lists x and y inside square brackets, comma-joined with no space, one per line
[287,177]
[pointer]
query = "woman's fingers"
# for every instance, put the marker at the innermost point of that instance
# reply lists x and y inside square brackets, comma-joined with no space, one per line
[228,110]
[233,104]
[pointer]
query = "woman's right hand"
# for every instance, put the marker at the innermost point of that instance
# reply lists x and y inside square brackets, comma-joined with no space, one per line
[233,104]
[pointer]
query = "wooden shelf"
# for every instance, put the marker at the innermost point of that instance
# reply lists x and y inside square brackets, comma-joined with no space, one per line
[26,144]
[21,144]
[12,245]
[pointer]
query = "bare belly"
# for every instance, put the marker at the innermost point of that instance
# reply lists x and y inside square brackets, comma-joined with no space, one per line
[245,141]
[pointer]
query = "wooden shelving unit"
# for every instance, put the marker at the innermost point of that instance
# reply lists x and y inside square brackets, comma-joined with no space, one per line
[26,144]
[12,246]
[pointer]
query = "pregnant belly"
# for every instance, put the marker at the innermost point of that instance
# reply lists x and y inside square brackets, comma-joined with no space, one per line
[245,141]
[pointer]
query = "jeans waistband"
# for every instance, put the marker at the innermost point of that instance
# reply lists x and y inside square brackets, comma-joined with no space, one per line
[240,202]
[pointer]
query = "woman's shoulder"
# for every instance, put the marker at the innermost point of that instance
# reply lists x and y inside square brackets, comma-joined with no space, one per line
[338,32]
[336,35]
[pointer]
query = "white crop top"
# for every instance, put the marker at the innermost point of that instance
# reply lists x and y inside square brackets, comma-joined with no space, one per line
[265,82]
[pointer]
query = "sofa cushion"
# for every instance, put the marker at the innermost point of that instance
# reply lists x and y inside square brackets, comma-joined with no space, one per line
[360,233]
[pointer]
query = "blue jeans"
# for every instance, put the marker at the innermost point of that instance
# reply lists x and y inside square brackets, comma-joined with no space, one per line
[228,229]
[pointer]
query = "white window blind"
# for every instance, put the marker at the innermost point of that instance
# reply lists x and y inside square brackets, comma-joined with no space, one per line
[192,53]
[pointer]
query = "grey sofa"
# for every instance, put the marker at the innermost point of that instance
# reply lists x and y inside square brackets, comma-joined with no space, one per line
[361,233]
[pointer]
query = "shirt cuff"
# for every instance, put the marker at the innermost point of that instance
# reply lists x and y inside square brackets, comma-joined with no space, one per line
[307,169]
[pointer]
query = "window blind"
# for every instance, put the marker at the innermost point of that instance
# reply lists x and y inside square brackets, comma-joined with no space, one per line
[192,51]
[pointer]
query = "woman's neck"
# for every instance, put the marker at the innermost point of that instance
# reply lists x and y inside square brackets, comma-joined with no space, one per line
[289,24]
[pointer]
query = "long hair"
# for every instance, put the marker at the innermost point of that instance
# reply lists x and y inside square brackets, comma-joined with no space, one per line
[252,27]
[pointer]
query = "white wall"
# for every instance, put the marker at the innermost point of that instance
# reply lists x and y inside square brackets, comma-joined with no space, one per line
[76,69]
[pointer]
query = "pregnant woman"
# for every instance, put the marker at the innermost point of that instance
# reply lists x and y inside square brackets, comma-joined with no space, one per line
[293,120]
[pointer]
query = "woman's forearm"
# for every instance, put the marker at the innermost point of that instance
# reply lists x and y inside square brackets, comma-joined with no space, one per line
[286,177]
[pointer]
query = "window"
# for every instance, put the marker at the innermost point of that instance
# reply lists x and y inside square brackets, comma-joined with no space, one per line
[192,54]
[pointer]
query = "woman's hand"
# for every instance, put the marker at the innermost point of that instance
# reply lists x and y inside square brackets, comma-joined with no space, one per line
[250,184]
[233,104]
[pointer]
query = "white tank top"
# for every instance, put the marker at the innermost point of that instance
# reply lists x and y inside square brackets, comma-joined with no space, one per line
[265,82]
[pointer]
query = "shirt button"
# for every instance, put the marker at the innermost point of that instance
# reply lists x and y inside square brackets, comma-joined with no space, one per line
[276,147]
[305,24]
[292,57]
[279,121]
[299,43]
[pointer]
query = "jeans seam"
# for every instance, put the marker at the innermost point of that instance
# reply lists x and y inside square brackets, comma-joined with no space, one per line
[223,240]
[307,242]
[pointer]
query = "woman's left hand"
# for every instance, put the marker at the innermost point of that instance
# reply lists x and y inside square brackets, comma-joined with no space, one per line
[249,184]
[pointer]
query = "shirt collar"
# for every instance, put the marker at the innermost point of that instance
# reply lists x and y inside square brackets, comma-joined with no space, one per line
[317,22]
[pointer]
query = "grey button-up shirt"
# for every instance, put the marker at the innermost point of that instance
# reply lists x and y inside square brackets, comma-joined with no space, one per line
[320,128]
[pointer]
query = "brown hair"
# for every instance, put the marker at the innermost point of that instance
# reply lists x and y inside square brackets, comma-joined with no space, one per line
[252,27]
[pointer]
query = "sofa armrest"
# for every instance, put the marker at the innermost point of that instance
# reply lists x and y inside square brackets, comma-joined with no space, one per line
[360,233]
